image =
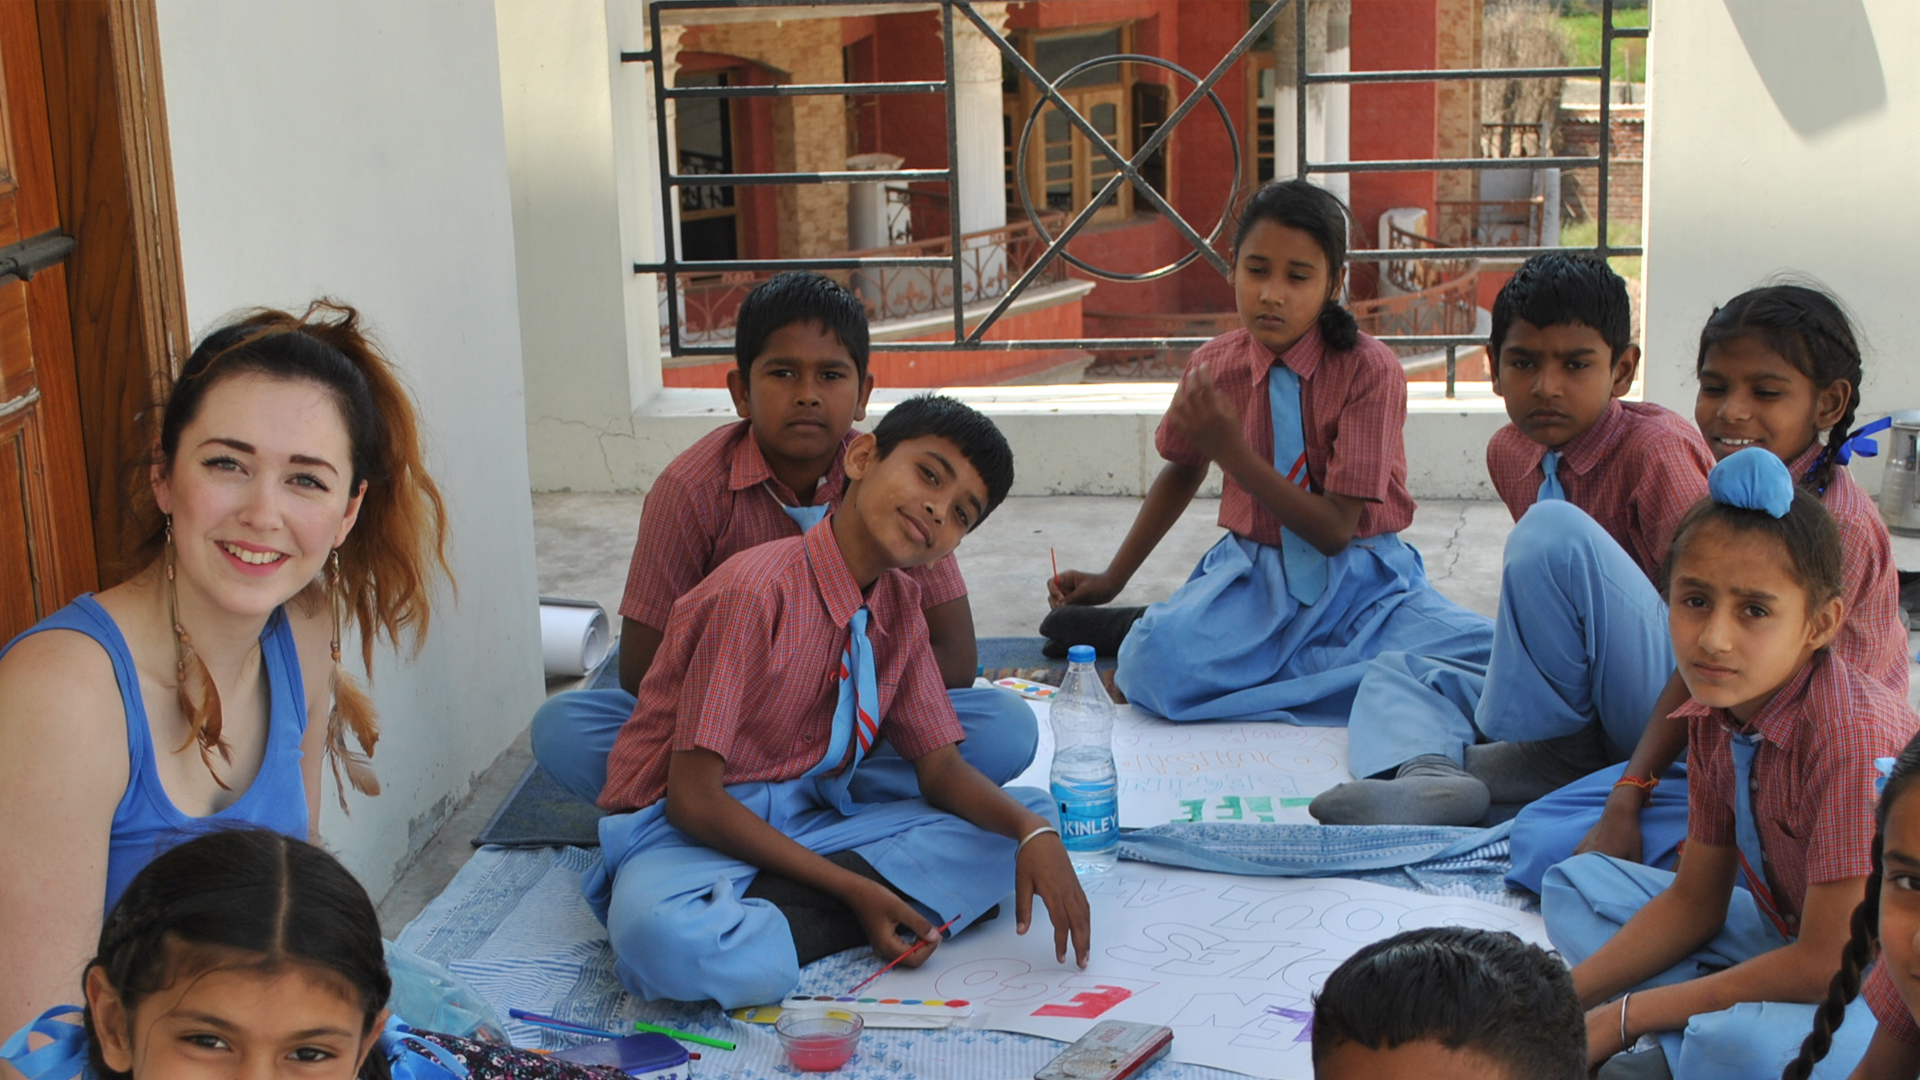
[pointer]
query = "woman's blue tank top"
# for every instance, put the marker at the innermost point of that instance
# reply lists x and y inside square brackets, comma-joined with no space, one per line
[146,822]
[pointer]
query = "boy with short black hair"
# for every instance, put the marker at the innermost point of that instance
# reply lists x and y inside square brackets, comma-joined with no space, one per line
[799,384]
[744,844]
[1562,355]
[1597,486]
[1449,1003]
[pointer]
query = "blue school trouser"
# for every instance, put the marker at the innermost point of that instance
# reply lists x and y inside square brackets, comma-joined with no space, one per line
[1233,643]
[1588,898]
[681,930]
[1547,830]
[574,732]
[1581,636]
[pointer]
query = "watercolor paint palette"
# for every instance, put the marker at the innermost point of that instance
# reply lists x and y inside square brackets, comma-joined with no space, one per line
[1027,688]
[878,1011]
[770,1014]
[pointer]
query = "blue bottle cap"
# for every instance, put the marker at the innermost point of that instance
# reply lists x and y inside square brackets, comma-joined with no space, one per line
[1080,654]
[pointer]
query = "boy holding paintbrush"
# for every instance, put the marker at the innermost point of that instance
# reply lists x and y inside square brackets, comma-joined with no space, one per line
[745,843]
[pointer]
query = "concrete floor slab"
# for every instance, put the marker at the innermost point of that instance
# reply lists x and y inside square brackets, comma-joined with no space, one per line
[585,540]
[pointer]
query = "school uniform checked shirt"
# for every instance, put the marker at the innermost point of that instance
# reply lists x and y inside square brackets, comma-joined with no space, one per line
[750,669]
[1635,472]
[719,498]
[1813,776]
[1872,638]
[1353,409]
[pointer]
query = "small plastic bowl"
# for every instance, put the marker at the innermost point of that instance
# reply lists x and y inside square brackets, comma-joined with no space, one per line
[819,1040]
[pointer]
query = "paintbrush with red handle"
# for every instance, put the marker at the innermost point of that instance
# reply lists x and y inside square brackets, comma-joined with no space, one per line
[916,946]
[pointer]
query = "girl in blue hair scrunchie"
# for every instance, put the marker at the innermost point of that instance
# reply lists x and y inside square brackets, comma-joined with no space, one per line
[1711,960]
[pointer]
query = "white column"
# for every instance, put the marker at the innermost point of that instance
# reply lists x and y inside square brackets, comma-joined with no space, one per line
[976,75]
[1286,99]
[982,187]
[1339,96]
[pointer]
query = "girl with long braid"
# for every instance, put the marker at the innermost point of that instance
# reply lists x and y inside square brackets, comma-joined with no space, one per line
[287,499]
[1888,922]
[1784,734]
[1779,369]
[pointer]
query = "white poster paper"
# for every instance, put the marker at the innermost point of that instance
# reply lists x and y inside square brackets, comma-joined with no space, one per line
[1225,770]
[1230,963]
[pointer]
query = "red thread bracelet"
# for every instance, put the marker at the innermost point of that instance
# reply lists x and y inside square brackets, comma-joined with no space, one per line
[1646,785]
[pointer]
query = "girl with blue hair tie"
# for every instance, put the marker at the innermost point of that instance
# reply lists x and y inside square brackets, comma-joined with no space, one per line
[245,953]
[1721,960]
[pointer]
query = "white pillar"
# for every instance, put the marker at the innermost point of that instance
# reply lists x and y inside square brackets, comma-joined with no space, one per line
[1339,96]
[1286,99]
[976,75]
[982,187]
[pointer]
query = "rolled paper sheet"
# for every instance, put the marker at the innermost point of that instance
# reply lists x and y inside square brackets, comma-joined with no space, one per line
[574,636]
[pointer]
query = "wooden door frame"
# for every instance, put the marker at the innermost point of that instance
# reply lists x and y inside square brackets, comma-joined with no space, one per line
[125,293]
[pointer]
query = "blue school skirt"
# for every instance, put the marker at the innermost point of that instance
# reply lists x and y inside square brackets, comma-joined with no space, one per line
[1233,643]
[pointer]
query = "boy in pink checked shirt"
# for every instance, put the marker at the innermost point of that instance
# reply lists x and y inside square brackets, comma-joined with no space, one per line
[745,842]
[801,381]
[1597,486]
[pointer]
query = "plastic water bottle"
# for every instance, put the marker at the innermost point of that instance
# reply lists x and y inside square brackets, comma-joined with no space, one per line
[1085,787]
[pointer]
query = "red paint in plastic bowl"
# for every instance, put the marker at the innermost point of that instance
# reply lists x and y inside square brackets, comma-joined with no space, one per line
[819,1040]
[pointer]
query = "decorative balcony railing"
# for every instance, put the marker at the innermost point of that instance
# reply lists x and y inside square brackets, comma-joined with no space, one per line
[1419,275]
[991,260]
[1162,364]
[1448,307]
[1492,222]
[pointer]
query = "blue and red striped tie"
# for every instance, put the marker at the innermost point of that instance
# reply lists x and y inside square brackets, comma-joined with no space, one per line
[1306,566]
[856,719]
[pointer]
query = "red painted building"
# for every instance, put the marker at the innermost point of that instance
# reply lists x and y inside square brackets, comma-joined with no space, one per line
[1194,171]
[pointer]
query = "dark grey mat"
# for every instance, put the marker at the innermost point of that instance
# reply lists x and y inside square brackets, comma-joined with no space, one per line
[1002,656]
[541,813]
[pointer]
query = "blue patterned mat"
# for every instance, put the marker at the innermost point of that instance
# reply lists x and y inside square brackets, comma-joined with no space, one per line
[513,924]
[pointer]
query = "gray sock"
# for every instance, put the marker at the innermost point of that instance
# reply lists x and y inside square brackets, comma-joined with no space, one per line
[1518,772]
[1429,790]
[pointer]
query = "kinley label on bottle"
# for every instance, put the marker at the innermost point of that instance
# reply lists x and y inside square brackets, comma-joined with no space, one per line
[1089,825]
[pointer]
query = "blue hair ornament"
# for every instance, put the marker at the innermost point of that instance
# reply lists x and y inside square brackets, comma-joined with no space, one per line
[1884,767]
[1860,441]
[411,1057]
[63,1058]
[1752,479]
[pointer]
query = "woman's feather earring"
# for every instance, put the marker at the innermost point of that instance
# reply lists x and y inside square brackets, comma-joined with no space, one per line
[351,709]
[203,719]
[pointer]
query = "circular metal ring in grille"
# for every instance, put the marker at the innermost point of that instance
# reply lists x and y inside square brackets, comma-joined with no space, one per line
[1026,196]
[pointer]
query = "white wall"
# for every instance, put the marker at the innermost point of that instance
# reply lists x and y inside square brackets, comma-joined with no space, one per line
[1784,135]
[355,149]
[579,152]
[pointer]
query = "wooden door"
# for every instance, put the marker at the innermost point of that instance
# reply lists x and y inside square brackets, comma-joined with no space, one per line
[46,536]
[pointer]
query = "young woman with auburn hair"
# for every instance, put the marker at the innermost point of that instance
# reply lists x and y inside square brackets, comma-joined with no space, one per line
[287,498]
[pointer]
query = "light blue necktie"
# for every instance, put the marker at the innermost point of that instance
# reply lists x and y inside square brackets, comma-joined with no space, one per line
[1306,567]
[804,516]
[1746,831]
[856,715]
[1550,486]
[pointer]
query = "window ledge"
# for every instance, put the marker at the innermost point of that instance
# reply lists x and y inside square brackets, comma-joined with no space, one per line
[1088,400]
